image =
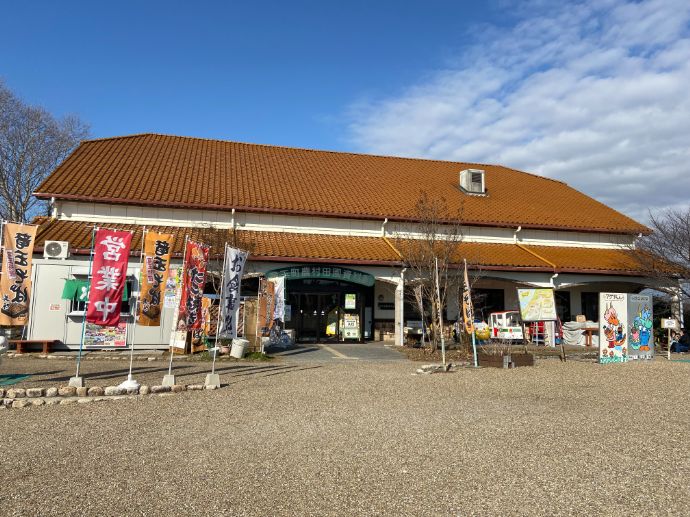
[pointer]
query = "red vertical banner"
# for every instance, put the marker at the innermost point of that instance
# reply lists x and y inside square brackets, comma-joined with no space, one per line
[108,276]
[193,281]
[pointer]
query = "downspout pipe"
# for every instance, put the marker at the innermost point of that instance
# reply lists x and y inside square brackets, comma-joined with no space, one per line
[387,241]
[534,254]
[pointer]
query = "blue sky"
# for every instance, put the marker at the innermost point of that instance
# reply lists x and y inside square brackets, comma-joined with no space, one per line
[270,72]
[592,92]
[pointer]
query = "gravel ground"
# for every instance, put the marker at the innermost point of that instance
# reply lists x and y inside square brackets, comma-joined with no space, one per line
[360,438]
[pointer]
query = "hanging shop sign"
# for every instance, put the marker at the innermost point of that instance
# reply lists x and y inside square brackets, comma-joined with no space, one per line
[108,276]
[235,261]
[327,272]
[154,276]
[15,281]
[193,281]
[537,305]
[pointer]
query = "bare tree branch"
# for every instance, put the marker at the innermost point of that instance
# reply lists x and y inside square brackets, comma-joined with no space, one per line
[668,250]
[32,144]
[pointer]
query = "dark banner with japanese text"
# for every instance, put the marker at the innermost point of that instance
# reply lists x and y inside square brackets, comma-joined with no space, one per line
[266,306]
[193,281]
[15,281]
[108,276]
[154,275]
[230,300]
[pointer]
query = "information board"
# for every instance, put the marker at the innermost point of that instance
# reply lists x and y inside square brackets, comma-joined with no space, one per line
[537,304]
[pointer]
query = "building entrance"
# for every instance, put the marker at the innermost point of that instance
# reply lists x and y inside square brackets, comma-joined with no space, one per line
[322,311]
[319,317]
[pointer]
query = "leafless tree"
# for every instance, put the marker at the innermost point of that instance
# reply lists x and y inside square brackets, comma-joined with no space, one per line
[32,143]
[668,251]
[434,237]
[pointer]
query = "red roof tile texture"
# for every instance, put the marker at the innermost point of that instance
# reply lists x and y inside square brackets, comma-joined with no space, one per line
[184,172]
[282,247]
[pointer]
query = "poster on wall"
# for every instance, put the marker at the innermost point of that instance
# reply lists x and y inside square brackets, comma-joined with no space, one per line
[537,304]
[640,327]
[15,281]
[111,336]
[613,327]
[350,300]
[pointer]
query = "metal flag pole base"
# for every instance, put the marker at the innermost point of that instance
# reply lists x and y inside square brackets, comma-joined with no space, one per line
[212,379]
[168,380]
[76,382]
[130,383]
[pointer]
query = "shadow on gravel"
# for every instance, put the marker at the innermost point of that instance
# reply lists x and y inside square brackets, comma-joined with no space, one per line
[111,374]
[296,352]
[293,370]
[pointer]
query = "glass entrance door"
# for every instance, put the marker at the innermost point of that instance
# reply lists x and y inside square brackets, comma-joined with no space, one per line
[319,314]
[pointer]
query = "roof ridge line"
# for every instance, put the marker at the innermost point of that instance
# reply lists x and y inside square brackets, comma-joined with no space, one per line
[309,149]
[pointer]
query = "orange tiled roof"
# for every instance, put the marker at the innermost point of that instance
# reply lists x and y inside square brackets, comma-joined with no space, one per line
[184,172]
[286,247]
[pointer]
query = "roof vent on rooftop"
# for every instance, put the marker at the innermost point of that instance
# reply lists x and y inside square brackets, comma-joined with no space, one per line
[472,181]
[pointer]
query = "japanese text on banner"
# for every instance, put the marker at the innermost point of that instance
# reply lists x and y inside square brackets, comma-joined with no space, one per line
[229,305]
[108,276]
[15,282]
[157,251]
[193,281]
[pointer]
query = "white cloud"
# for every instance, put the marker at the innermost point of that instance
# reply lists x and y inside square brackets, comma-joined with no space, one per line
[596,94]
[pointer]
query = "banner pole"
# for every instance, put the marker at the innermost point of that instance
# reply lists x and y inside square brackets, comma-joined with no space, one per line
[2,246]
[77,381]
[213,379]
[220,305]
[170,376]
[130,382]
[474,339]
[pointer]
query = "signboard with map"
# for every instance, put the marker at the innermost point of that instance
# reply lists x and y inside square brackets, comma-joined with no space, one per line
[537,304]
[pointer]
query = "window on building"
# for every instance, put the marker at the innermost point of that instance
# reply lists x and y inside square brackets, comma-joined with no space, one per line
[486,301]
[590,306]
[563,305]
[80,288]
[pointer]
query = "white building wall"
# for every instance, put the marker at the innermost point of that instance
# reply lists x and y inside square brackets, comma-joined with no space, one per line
[106,213]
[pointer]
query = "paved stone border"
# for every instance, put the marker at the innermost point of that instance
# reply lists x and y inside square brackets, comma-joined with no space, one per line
[119,357]
[64,395]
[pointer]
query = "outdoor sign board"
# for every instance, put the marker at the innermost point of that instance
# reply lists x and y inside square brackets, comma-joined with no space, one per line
[537,305]
[640,323]
[111,336]
[669,324]
[327,272]
[613,327]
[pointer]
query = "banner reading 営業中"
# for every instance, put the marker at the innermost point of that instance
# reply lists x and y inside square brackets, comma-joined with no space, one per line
[108,276]
[235,261]
[154,276]
[15,281]
[192,287]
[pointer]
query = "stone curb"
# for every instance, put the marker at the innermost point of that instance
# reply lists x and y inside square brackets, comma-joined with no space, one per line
[65,395]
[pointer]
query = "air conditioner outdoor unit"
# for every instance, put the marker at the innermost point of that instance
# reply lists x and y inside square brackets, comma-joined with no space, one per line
[56,250]
[472,180]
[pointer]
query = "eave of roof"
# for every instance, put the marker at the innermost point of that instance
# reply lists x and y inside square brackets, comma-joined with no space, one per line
[369,251]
